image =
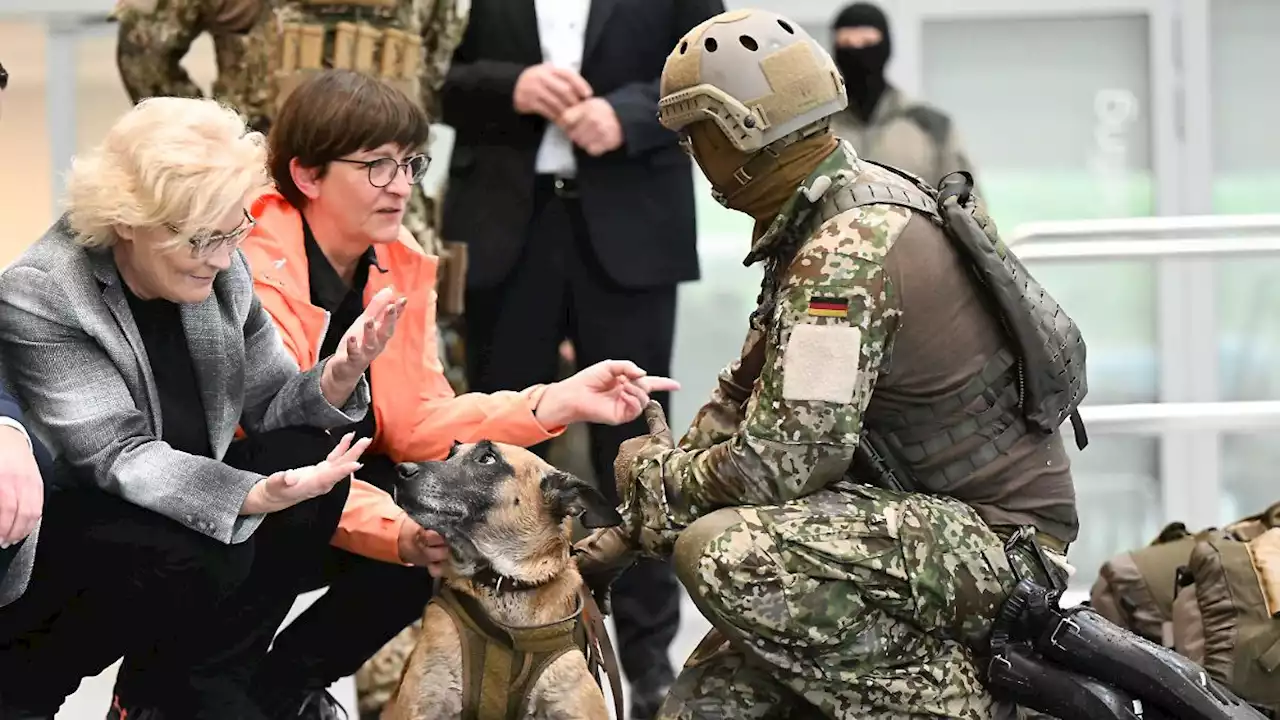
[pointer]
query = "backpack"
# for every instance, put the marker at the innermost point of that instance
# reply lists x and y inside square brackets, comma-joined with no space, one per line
[1136,589]
[1200,595]
[1227,615]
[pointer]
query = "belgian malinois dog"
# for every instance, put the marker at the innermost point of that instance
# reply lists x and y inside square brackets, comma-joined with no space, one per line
[498,639]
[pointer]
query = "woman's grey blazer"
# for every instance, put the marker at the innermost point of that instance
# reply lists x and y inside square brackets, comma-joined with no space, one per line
[74,356]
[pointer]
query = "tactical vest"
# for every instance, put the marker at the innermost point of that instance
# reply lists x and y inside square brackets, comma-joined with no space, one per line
[1035,387]
[501,664]
[380,37]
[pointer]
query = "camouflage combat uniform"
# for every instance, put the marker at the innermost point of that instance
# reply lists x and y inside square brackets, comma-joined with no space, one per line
[865,602]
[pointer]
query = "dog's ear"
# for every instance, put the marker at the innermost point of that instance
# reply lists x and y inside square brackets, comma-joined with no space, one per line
[568,495]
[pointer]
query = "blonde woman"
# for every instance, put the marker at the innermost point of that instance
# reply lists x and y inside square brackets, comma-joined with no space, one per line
[132,333]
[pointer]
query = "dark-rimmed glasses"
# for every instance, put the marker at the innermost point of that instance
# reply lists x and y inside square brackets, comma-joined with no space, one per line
[383,171]
[4,78]
[208,242]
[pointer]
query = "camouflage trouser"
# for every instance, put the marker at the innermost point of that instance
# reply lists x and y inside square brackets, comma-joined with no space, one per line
[863,602]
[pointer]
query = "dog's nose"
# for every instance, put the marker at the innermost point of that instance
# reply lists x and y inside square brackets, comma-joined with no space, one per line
[407,471]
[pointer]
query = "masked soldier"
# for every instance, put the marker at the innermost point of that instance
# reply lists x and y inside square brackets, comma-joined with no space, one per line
[881,121]
[873,509]
[832,585]
[264,47]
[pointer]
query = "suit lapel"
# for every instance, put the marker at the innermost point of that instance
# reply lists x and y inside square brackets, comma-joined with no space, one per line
[523,15]
[217,353]
[597,17]
[104,270]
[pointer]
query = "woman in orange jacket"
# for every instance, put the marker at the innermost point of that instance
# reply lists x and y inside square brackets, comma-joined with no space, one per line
[327,242]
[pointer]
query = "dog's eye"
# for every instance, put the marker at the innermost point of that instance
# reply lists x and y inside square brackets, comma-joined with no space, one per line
[487,459]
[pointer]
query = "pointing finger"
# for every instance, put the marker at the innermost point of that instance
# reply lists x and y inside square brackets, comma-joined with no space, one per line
[657,383]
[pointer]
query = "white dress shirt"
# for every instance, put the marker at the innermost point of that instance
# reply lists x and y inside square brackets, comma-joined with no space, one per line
[10,422]
[562,26]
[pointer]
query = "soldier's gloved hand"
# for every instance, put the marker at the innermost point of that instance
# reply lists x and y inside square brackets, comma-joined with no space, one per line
[642,447]
[602,556]
[642,486]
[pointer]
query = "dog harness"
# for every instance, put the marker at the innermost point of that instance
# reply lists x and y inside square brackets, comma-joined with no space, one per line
[502,663]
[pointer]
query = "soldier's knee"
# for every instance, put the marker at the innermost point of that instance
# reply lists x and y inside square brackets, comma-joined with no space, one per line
[695,554]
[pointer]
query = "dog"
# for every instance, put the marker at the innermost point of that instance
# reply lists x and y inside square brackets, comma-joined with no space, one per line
[506,516]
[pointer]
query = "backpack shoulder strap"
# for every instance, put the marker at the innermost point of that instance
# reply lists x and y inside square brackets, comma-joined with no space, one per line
[861,194]
[920,196]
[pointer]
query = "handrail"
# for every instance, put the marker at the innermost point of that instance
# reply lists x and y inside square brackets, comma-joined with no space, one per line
[1037,248]
[1153,418]
[1144,227]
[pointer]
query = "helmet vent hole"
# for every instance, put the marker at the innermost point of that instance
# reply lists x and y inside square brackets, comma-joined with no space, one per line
[710,44]
[786,26]
[684,46]
[748,42]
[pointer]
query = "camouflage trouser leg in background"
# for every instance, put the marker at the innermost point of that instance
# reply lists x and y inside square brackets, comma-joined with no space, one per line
[861,601]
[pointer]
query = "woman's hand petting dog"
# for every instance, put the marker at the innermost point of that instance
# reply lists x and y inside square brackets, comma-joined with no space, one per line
[423,548]
[290,487]
[611,392]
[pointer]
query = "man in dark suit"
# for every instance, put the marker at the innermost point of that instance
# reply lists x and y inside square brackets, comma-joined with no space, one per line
[21,488]
[578,208]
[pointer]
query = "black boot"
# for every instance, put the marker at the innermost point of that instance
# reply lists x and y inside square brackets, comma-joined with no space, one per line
[648,693]
[311,705]
[123,711]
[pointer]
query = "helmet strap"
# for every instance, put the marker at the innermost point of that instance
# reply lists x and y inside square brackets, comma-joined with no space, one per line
[765,160]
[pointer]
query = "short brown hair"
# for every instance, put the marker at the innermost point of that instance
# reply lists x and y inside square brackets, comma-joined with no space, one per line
[337,112]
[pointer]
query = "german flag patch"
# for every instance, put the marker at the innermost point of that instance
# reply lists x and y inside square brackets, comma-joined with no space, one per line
[828,307]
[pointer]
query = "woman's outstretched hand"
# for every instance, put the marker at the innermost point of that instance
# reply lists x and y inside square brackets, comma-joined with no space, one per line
[611,392]
[290,487]
[360,345]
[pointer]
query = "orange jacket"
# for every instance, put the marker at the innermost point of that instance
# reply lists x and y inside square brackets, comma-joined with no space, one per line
[418,416]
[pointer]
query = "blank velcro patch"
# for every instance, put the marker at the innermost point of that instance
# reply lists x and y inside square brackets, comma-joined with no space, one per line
[821,363]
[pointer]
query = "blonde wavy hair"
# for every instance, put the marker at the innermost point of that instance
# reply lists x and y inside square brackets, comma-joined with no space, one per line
[179,162]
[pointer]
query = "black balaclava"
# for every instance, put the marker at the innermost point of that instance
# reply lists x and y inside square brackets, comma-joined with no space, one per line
[863,68]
